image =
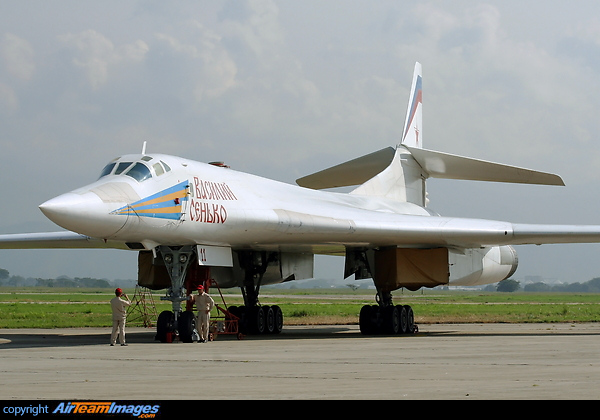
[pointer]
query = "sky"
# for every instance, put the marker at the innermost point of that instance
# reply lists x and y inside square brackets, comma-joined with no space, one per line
[282,89]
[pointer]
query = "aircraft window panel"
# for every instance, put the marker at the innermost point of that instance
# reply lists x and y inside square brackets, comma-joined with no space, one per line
[167,168]
[107,169]
[139,172]
[158,169]
[147,158]
[122,166]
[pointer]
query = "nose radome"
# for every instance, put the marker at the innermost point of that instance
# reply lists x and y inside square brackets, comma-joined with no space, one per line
[82,213]
[63,208]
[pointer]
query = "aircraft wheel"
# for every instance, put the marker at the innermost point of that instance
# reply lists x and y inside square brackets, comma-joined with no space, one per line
[410,315]
[243,314]
[365,320]
[269,319]
[391,320]
[234,310]
[257,320]
[403,319]
[164,325]
[186,325]
[278,319]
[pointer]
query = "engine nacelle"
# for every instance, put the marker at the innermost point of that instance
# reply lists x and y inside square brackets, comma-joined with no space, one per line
[393,268]
[479,266]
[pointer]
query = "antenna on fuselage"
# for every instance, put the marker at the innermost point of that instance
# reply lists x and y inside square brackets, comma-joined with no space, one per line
[144,148]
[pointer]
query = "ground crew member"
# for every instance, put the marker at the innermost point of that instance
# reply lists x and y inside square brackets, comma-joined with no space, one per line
[119,306]
[204,304]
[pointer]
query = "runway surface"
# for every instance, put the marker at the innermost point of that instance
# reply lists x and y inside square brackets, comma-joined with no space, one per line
[454,362]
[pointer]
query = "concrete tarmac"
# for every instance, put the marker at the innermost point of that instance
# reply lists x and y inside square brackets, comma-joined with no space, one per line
[450,362]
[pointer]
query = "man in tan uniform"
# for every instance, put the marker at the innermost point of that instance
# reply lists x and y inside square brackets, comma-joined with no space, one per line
[204,304]
[119,306]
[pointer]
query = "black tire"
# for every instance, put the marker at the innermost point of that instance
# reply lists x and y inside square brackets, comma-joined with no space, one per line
[244,321]
[391,320]
[278,316]
[365,320]
[403,319]
[257,321]
[410,315]
[233,310]
[269,319]
[164,325]
[186,325]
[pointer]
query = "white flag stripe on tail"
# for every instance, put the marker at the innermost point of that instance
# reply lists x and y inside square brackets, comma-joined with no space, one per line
[413,132]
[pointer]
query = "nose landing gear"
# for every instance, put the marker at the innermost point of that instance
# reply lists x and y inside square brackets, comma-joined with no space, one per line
[176,323]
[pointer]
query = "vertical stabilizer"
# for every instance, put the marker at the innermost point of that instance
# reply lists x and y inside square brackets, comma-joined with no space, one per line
[412,135]
[403,180]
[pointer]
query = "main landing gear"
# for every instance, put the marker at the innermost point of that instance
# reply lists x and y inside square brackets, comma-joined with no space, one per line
[254,317]
[259,319]
[387,318]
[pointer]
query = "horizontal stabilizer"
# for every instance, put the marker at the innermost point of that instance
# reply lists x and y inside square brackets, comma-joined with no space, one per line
[353,172]
[447,166]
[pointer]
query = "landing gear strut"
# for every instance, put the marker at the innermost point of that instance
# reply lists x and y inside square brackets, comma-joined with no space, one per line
[387,318]
[176,322]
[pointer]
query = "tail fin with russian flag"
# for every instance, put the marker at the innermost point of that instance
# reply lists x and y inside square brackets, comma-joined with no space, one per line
[400,173]
[412,135]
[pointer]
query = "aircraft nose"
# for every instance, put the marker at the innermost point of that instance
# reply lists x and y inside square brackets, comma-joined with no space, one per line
[82,213]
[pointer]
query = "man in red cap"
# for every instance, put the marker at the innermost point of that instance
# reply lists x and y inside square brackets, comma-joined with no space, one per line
[204,304]
[119,306]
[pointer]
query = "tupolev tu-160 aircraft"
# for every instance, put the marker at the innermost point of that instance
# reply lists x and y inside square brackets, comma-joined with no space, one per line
[191,222]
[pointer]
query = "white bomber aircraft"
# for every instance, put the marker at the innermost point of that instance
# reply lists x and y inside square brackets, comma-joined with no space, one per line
[193,221]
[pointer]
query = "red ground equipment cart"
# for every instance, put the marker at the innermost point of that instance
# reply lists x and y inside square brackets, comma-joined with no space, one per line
[225,322]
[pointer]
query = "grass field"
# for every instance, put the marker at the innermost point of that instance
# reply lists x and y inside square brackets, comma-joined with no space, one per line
[64,308]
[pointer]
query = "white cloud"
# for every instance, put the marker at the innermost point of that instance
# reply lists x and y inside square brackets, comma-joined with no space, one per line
[213,71]
[493,92]
[8,99]
[97,55]
[259,30]
[18,56]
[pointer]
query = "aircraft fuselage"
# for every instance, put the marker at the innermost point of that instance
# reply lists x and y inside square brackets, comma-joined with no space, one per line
[197,203]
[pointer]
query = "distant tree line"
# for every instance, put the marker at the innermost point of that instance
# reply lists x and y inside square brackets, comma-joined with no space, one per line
[17,281]
[510,285]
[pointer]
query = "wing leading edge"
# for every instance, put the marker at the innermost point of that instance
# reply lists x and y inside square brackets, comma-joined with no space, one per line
[49,240]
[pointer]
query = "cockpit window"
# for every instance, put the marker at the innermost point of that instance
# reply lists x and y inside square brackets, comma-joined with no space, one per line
[107,169]
[139,172]
[158,169]
[122,166]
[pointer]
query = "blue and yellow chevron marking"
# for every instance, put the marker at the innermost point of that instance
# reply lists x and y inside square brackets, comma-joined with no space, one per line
[166,204]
